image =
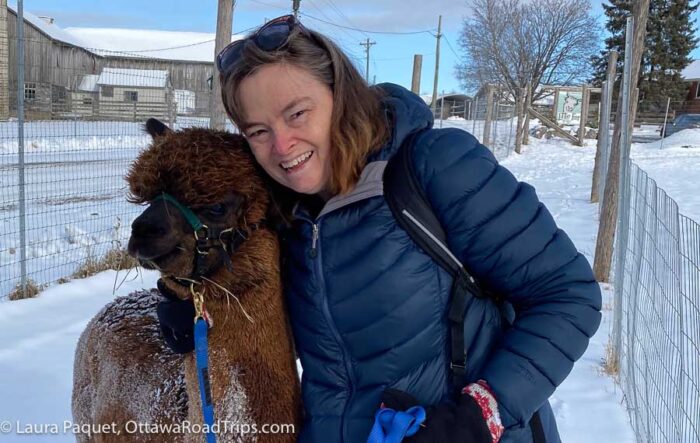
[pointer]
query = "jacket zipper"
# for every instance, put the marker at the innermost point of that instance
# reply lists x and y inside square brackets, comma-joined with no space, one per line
[316,255]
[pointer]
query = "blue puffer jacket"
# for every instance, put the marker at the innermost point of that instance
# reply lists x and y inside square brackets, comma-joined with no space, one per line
[368,307]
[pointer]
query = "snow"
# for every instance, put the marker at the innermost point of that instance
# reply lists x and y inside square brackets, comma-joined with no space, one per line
[52,30]
[692,71]
[40,335]
[142,78]
[166,45]
[88,83]
[39,340]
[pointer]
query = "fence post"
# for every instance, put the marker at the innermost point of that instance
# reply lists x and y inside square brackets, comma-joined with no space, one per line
[475,113]
[20,146]
[663,128]
[604,126]
[489,112]
[584,115]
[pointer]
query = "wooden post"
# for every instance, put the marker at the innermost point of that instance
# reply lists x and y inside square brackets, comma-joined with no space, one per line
[4,64]
[417,66]
[556,105]
[433,102]
[604,124]
[585,97]
[608,211]
[528,103]
[520,121]
[224,26]
[489,115]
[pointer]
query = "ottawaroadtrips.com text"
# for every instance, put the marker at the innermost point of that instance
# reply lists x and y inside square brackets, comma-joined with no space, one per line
[133,427]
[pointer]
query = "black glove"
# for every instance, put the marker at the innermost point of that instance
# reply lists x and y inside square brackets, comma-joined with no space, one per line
[444,423]
[176,318]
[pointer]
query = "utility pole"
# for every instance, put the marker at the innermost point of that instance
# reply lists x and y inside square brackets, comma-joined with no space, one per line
[367,44]
[295,7]
[224,27]
[437,65]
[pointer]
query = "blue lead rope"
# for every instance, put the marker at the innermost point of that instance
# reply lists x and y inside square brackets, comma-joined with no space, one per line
[392,426]
[202,351]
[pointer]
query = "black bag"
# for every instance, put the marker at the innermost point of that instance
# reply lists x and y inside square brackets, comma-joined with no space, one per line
[414,213]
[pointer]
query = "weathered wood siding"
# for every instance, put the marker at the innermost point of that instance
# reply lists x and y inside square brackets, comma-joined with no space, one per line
[62,64]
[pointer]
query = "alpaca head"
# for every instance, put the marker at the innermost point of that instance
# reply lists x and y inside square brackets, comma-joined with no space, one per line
[210,172]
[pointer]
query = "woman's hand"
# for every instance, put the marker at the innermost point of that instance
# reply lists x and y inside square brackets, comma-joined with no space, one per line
[473,419]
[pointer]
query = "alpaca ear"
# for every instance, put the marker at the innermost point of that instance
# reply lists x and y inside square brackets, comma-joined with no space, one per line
[156,128]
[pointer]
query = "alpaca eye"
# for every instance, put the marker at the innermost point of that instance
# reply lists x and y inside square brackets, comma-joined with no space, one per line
[217,210]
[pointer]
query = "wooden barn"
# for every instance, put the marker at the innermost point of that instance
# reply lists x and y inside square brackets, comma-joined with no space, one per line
[57,62]
[134,95]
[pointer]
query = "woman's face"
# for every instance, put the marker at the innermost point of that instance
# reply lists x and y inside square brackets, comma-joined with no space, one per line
[287,121]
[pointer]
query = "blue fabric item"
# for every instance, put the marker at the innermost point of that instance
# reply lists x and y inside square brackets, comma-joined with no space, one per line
[201,347]
[392,426]
[368,307]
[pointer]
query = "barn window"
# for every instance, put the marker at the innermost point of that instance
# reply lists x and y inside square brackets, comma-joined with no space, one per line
[697,89]
[131,96]
[108,91]
[29,91]
[87,101]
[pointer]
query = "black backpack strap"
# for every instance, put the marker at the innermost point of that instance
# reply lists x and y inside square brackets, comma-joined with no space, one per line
[413,213]
[537,429]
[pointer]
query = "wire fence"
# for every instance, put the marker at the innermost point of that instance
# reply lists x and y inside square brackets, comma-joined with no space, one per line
[499,122]
[656,324]
[657,281]
[63,199]
[82,128]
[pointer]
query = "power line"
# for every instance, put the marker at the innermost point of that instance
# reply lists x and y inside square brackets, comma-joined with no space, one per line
[449,45]
[340,13]
[427,31]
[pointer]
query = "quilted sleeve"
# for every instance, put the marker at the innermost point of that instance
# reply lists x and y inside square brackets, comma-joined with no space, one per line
[509,241]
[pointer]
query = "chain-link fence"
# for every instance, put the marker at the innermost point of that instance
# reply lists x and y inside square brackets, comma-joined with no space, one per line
[657,282]
[499,123]
[63,196]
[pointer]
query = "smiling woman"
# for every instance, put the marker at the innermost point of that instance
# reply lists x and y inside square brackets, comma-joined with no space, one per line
[368,307]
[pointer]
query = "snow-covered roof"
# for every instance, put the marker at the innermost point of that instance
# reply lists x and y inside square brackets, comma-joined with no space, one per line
[692,72]
[116,42]
[88,83]
[166,45]
[50,29]
[141,78]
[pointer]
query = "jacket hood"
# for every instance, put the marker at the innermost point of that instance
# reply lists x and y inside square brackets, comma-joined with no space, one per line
[406,113]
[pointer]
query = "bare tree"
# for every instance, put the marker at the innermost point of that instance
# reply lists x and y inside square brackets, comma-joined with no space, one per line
[521,44]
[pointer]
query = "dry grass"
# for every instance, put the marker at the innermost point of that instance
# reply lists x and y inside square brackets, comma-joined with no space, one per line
[611,361]
[32,290]
[116,258]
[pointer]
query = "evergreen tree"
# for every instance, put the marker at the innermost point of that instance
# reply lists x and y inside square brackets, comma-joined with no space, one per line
[669,41]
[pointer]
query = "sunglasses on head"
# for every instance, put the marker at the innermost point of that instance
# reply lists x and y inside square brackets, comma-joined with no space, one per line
[271,36]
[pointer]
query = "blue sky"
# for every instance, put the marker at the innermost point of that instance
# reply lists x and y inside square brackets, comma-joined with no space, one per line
[391,59]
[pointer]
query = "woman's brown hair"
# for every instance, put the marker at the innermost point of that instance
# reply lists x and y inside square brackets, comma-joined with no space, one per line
[358,124]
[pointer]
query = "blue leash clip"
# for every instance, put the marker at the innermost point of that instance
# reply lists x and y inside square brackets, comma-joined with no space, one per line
[392,426]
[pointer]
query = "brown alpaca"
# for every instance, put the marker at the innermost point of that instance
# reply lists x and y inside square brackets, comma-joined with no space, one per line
[124,372]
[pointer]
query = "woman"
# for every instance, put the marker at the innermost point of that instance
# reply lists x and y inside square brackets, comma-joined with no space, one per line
[368,306]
